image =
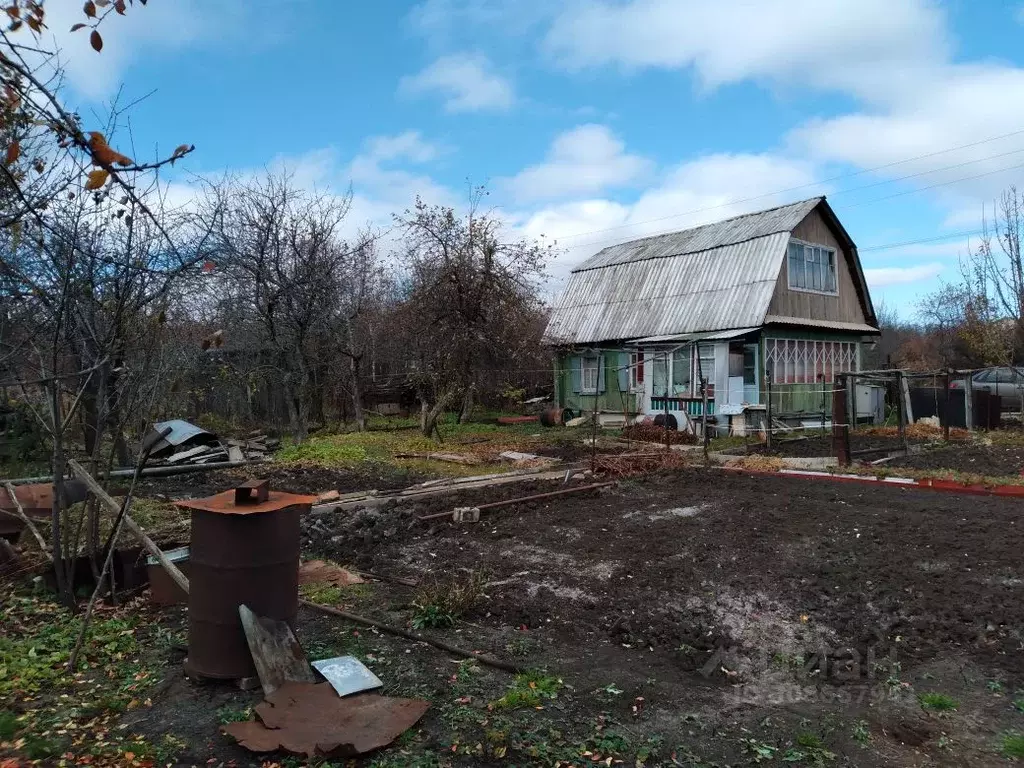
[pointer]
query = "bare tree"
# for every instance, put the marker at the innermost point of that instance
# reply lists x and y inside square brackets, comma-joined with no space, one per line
[465,283]
[281,255]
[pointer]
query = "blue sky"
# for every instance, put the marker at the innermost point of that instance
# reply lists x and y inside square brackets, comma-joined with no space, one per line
[593,121]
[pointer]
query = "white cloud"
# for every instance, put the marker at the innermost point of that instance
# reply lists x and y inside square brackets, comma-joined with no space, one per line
[689,195]
[879,277]
[956,105]
[585,160]
[409,146]
[854,45]
[466,81]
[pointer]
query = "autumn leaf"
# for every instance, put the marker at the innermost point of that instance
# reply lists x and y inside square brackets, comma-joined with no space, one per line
[209,266]
[119,7]
[96,41]
[13,11]
[34,23]
[97,179]
[181,149]
[89,9]
[13,152]
[78,26]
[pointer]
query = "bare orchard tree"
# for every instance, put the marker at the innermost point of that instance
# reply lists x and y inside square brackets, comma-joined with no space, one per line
[464,283]
[87,283]
[360,295]
[280,254]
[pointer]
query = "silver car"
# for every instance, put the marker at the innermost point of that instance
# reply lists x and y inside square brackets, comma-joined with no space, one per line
[1008,383]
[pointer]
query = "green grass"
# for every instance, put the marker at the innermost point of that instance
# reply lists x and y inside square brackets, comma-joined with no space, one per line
[1013,745]
[528,690]
[938,702]
[8,725]
[119,662]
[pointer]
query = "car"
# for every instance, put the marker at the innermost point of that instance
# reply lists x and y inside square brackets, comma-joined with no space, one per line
[1007,382]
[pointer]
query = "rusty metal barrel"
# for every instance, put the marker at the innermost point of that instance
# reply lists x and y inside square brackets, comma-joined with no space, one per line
[244,551]
[555,417]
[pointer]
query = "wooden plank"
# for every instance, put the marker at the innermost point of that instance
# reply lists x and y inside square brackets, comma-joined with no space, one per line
[275,650]
[199,450]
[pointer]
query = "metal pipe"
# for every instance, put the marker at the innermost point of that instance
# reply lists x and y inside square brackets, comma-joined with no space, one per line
[149,472]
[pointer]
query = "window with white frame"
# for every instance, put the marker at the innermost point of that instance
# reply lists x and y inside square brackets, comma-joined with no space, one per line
[589,373]
[812,267]
[681,365]
[803,361]
[636,370]
[706,368]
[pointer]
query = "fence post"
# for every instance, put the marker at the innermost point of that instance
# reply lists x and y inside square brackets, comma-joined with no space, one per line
[901,411]
[821,382]
[840,427]
[945,407]
[768,409]
[852,386]
[969,420]
[704,410]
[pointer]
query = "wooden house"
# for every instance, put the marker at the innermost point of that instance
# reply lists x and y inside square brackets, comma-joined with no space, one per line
[776,294]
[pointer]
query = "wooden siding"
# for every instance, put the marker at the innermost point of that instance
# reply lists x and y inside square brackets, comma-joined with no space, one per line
[844,308]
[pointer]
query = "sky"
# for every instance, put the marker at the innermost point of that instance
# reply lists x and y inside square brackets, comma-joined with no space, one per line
[591,122]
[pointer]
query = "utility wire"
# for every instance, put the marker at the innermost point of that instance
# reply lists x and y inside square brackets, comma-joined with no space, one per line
[799,186]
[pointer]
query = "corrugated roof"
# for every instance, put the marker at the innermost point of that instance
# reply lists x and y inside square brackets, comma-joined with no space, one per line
[715,235]
[726,287]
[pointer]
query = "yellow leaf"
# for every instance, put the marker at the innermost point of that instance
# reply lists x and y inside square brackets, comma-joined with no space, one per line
[96,41]
[13,152]
[89,9]
[97,179]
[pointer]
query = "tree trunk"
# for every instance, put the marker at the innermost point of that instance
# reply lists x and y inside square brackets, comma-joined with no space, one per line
[357,392]
[467,404]
[428,418]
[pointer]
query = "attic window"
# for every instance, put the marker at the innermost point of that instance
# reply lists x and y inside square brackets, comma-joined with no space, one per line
[812,268]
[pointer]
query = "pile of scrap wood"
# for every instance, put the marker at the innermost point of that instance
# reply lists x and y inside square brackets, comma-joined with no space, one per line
[625,464]
[188,444]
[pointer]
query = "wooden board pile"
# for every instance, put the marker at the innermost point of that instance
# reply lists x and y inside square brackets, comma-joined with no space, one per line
[254,447]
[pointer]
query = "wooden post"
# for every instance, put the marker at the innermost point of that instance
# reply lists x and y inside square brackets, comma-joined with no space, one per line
[969,401]
[945,407]
[840,428]
[851,384]
[901,416]
[768,409]
[821,382]
[704,410]
[668,387]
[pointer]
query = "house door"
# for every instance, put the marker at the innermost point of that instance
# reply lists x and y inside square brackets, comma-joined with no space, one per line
[743,385]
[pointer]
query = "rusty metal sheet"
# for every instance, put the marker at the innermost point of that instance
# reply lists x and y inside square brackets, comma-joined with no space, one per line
[37,501]
[225,503]
[322,572]
[311,720]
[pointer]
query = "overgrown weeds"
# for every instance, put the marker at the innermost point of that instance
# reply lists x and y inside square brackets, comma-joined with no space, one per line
[938,702]
[439,604]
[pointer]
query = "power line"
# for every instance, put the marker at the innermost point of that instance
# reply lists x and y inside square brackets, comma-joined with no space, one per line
[799,186]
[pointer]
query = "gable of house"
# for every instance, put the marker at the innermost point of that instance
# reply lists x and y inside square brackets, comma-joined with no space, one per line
[726,275]
[849,305]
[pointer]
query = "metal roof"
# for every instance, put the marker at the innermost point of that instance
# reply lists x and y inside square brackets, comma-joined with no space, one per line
[724,287]
[726,232]
[714,277]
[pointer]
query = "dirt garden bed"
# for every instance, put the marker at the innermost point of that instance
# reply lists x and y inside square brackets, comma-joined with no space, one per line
[689,618]
[975,458]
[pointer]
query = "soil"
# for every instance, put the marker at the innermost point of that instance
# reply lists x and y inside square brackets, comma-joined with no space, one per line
[697,587]
[714,613]
[974,458]
[290,478]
